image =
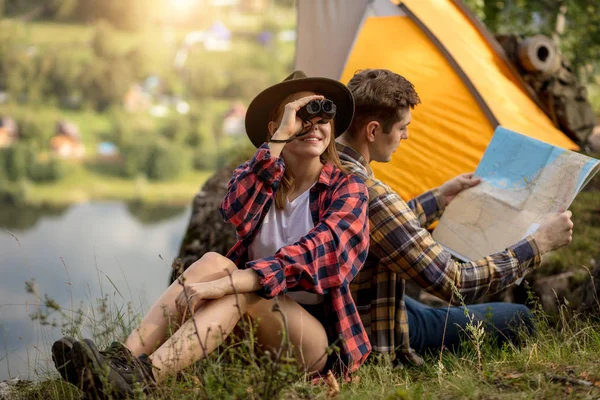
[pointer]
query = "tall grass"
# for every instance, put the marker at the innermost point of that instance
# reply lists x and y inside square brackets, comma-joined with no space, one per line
[560,361]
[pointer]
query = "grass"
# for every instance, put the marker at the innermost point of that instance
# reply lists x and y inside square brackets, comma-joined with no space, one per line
[83,184]
[560,361]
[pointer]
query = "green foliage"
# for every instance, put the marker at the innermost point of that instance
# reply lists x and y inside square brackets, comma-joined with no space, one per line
[178,129]
[106,82]
[129,127]
[135,158]
[158,160]
[168,161]
[131,15]
[36,128]
[580,41]
[16,160]
[105,41]
[47,171]
[65,77]
[246,83]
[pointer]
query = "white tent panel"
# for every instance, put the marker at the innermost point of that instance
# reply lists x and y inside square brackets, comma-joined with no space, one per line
[327,29]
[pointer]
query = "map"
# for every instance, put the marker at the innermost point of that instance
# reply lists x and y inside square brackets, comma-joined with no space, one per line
[523,181]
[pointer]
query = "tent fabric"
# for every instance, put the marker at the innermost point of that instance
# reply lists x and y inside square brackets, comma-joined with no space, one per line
[489,73]
[325,34]
[466,88]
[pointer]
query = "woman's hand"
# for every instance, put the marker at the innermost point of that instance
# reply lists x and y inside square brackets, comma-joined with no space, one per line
[290,123]
[196,293]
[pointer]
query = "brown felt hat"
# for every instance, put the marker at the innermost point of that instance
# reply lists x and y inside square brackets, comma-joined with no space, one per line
[260,109]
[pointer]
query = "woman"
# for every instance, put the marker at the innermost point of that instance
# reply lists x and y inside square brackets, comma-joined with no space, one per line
[303,235]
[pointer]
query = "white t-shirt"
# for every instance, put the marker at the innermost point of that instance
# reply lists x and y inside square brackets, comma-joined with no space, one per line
[281,228]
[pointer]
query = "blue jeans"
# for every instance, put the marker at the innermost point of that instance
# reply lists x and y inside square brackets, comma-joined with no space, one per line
[426,324]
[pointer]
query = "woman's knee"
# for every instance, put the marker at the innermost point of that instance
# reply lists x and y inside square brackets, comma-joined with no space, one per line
[210,263]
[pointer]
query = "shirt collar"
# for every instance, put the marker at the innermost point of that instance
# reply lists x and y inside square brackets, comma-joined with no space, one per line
[326,175]
[347,153]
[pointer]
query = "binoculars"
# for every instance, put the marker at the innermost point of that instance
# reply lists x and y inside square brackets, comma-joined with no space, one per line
[317,108]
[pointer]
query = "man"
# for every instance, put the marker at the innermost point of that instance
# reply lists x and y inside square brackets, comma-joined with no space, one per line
[402,248]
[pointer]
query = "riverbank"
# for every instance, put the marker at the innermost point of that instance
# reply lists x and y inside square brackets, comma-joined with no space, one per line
[84,184]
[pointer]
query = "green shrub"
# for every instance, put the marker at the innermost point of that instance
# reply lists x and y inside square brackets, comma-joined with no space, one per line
[246,84]
[47,171]
[127,128]
[203,79]
[64,78]
[136,156]
[177,129]
[204,160]
[3,173]
[36,128]
[17,161]
[168,161]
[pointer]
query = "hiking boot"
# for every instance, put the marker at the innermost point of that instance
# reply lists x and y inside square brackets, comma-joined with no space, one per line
[62,351]
[112,372]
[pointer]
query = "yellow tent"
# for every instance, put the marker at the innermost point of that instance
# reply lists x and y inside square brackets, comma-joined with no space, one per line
[466,85]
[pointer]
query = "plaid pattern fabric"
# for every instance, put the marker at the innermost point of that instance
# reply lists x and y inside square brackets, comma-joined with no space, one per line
[325,260]
[402,248]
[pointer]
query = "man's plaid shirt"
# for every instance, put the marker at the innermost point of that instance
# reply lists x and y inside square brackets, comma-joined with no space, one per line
[324,261]
[402,249]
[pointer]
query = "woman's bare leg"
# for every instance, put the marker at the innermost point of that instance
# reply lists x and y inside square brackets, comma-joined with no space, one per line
[306,334]
[154,328]
[214,321]
[217,319]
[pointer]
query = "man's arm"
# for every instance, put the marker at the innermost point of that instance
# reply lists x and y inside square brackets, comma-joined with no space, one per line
[428,207]
[404,246]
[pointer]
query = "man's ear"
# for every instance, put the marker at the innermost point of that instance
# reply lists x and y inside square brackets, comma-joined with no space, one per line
[371,129]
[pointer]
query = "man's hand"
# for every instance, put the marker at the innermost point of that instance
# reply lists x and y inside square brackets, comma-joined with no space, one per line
[555,232]
[196,293]
[456,185]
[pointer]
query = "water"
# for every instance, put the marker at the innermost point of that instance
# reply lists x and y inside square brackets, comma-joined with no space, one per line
[71,253]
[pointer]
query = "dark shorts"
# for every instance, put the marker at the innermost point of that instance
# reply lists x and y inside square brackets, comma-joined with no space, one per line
[318,311]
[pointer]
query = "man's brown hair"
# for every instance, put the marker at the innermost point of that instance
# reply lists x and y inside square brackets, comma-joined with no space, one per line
[380,95]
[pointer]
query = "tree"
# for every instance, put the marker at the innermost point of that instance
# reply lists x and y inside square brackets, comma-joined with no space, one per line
[33,9]
[579,41]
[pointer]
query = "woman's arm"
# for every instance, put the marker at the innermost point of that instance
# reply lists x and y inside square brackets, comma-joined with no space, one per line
[251,186]
[330,255]
[240,281]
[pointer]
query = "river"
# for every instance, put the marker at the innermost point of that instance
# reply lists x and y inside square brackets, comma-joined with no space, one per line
[77,255]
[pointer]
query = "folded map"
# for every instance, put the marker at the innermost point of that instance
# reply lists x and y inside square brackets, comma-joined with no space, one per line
[523,181]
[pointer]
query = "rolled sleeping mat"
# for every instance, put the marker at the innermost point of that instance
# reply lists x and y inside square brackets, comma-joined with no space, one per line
[538,54]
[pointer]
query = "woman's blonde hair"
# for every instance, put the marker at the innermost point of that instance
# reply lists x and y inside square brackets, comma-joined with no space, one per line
[329,155]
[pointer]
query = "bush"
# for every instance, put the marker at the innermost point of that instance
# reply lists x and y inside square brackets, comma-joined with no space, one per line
[177,129]
[64,78]
[106,82]
[204,160]
[17,159]
[46,171]
[135,158]
[105,42]
[246,84]
[203,80]
[36,128]
[168,161]
[127,128]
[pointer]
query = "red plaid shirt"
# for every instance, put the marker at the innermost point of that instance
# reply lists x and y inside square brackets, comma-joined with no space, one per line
[324,261]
